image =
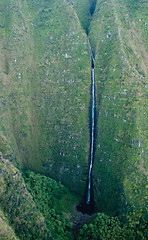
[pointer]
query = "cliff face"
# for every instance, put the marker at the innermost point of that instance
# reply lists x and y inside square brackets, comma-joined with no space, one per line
[45,76]
[118,33]
[45,94]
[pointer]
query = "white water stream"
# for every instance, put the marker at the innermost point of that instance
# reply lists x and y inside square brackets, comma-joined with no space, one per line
[92,126]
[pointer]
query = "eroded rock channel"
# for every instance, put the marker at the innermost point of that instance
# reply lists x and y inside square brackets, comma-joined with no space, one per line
[87,204]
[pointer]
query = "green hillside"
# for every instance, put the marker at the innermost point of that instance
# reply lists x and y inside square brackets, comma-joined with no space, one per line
[18,213]
[6,231]
[36,208]
[45,83]
[45,99]
[120,166]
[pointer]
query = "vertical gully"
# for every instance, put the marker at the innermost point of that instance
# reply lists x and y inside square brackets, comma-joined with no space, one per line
[87,204]
[92,128]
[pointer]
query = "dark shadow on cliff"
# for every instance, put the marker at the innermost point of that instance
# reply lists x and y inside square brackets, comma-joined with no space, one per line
[92,6]
[83,206]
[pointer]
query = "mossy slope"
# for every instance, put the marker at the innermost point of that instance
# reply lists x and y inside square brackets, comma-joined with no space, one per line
[19,215]
[45,95]
[120,166]
[45,84]
[37,208]
[6,232]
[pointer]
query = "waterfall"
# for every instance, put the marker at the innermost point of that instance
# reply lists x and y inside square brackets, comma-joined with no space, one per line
[92,126]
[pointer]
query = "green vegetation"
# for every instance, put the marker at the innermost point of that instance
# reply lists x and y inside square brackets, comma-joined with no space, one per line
[6,232]
[120,166]
[55,202]
[44,101]
[45,211]
[19,214]
[104,227]
[82,9]
[48,212]
[45,83]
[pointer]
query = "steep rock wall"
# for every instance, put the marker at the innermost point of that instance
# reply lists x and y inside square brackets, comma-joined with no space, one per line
[45,76]
[117,34]
[45,94]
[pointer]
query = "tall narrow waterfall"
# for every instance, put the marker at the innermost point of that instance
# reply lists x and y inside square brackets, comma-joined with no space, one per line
[87,203]
[92,128]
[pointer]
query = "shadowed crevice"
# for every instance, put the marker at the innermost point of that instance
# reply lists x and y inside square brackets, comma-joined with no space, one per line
[87,204]
[84,10]
[92,6]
